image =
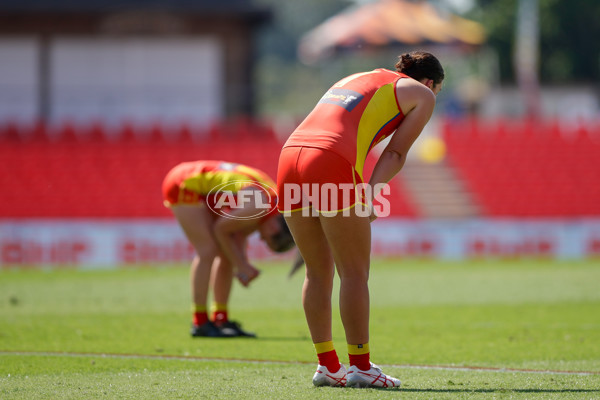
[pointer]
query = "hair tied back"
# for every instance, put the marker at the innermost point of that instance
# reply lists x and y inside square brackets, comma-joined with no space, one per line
[407,60]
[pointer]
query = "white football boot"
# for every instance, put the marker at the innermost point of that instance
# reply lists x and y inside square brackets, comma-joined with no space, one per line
[325,378]
[373,378]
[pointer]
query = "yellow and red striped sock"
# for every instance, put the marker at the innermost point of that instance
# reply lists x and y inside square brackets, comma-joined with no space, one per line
[327,356]
[200,316]
[219,313]
[359,356]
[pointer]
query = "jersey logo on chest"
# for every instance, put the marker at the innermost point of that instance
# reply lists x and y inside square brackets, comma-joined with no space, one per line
[344,98]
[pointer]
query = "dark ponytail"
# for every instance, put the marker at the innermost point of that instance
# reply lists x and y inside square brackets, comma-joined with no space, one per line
[419,65]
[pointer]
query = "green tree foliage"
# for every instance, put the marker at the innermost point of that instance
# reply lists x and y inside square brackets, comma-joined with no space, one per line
[293,18]
[569,38]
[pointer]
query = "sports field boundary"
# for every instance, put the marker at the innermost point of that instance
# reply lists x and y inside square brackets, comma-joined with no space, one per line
[258,361]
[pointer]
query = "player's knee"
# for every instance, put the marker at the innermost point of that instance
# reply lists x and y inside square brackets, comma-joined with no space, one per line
[321,277]
[207,251]
[358,274]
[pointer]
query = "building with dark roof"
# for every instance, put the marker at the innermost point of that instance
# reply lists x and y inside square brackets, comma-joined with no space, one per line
[127,59]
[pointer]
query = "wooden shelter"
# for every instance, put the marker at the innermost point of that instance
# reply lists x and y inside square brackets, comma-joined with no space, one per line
[59,35]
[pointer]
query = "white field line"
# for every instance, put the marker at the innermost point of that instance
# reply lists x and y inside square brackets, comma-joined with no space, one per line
[251,361]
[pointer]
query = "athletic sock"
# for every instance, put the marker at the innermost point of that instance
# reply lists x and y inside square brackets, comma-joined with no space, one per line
[219,314]
[200,316]
[359,356]
[327,356]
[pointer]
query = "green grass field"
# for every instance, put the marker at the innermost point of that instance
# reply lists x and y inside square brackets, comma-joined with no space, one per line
[489,330]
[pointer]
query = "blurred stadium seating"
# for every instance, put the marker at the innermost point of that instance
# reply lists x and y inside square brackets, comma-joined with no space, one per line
[528,168]
[512,168]
[100,172]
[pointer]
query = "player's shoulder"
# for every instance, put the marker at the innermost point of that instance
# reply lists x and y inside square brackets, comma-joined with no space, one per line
[411,93]
[408,87]
[410,83]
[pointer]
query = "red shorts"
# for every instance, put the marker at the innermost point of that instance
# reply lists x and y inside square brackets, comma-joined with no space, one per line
[174,193]
[320,179]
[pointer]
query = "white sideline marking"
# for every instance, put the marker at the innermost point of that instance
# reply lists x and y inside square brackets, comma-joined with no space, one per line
[250,361]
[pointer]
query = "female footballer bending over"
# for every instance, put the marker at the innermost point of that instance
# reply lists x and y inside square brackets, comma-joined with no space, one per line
[330,147]
[219,235]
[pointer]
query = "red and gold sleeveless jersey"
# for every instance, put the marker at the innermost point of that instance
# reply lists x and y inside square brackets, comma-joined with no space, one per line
[198,180]
[353,116]
[204,176]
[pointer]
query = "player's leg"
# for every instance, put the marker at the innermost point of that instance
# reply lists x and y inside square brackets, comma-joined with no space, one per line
[195,222]
[318,283]
[221,283]
[349,237]
[316,296]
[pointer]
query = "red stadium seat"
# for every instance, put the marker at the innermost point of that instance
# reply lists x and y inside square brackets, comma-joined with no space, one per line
[527,168]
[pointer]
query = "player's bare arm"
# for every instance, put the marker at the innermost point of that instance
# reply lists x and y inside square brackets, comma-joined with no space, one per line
[226,230]
[418,109]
